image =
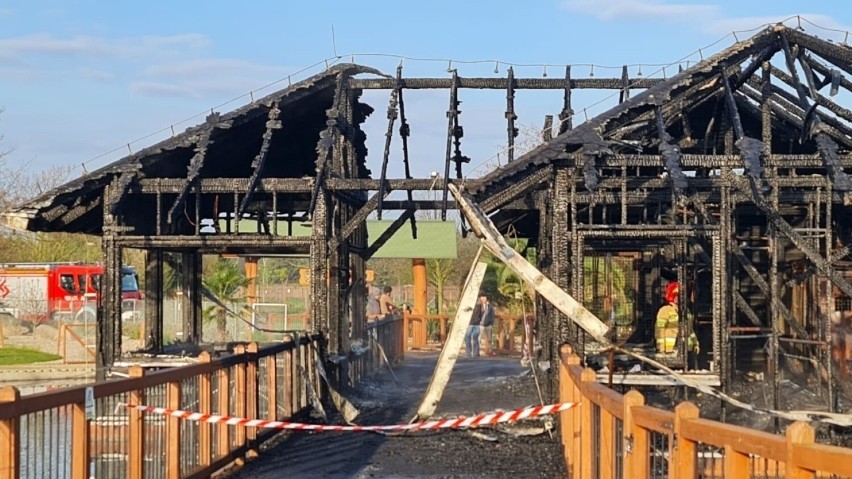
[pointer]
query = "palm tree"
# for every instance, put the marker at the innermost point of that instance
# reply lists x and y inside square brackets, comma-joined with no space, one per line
[227,283]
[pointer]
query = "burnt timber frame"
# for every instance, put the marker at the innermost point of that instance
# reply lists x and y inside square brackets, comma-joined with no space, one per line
[735,169]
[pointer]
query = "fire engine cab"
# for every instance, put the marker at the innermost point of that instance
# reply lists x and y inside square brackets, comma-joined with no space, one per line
[38,292]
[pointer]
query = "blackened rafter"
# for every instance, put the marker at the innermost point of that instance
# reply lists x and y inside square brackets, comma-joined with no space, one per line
[196,163]
[825,145]
[325,145]
[273,122]
[404,133]
[671,154]
[392,116]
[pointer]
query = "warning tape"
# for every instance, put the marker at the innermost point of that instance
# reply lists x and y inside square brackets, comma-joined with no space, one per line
[455,423]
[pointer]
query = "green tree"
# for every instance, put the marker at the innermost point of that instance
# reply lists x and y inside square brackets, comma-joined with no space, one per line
[227,283]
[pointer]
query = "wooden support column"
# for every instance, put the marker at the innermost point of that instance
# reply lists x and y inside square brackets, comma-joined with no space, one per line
[418,270]
[154,300]
[319,264]
[191,297]
[109,323]
[250,267]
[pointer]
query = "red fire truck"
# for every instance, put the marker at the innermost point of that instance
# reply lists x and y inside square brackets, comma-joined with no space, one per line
[38,292]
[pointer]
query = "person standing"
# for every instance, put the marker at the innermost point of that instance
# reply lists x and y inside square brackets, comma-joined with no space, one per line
[487,323]
[471,336]
[386,306]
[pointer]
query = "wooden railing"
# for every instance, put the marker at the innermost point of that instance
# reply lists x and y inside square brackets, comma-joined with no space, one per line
[62,434]
[616,436]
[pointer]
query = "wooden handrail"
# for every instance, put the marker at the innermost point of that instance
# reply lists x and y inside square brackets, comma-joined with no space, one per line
[796,454]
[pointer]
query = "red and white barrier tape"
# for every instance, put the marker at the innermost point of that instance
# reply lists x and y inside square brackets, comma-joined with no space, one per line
[456,423]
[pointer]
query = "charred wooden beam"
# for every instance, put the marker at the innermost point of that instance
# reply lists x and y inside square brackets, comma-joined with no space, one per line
[359,217]
[219,241]
[388,233]
[826,146]
[121,185]
[819,99]
[404,133]
[452,113]
[566,116]
[197,162]
[500,83]
[79,210]
[498,199]
[547,130]
[625,85]
[670,154]
[743,306]
[392,114]
[839,55]
[510,114]
[832,76]
[272,123]
[325,145]
[751,149]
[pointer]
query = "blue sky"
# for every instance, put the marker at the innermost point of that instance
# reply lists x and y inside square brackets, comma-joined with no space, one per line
[81,79]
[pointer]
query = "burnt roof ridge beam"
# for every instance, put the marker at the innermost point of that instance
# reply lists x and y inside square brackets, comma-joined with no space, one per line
[628,111]
[826,146]
[197,161]
[671,155]
[388,233]
[751,149]
[452,113]
[273,122]
[325,144]
[839,56]
[499,83]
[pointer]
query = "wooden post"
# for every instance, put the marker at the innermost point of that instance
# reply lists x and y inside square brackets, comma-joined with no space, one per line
[240,400]
[405,323]
[223,384]
[272,387]
[606,467]
[736,464]
[289,383]
[10,452]
[586,426]
[80,450]
[136,431]
[418,272]
[682,463]
[798,433]
[173,445]
[251,396]
[566,395]
[635,438]
[205,406]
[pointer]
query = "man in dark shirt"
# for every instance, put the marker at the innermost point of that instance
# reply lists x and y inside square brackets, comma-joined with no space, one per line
[481,312]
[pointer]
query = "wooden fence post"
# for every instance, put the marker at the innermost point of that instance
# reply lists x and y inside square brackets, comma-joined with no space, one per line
[566,395]
[587,426]
[635,438]
[10,452]
[240,384]
[136,430]
[798,433]
[173,444]
[289,382]
[205,406]
[80,438]
[251,396]
[223,386]
[682,462]
[272,387]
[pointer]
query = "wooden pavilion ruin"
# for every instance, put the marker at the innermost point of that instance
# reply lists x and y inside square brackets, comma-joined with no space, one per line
[732,176]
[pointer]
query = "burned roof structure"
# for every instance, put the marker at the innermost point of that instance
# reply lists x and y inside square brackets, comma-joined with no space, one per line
[731,176]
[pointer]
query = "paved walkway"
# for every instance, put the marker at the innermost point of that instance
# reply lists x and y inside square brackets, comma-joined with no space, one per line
[477,385]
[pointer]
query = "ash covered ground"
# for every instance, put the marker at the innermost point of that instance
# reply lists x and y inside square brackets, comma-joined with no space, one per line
[478,385]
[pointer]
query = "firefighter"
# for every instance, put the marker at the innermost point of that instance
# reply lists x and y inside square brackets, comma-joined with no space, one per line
[668,324]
